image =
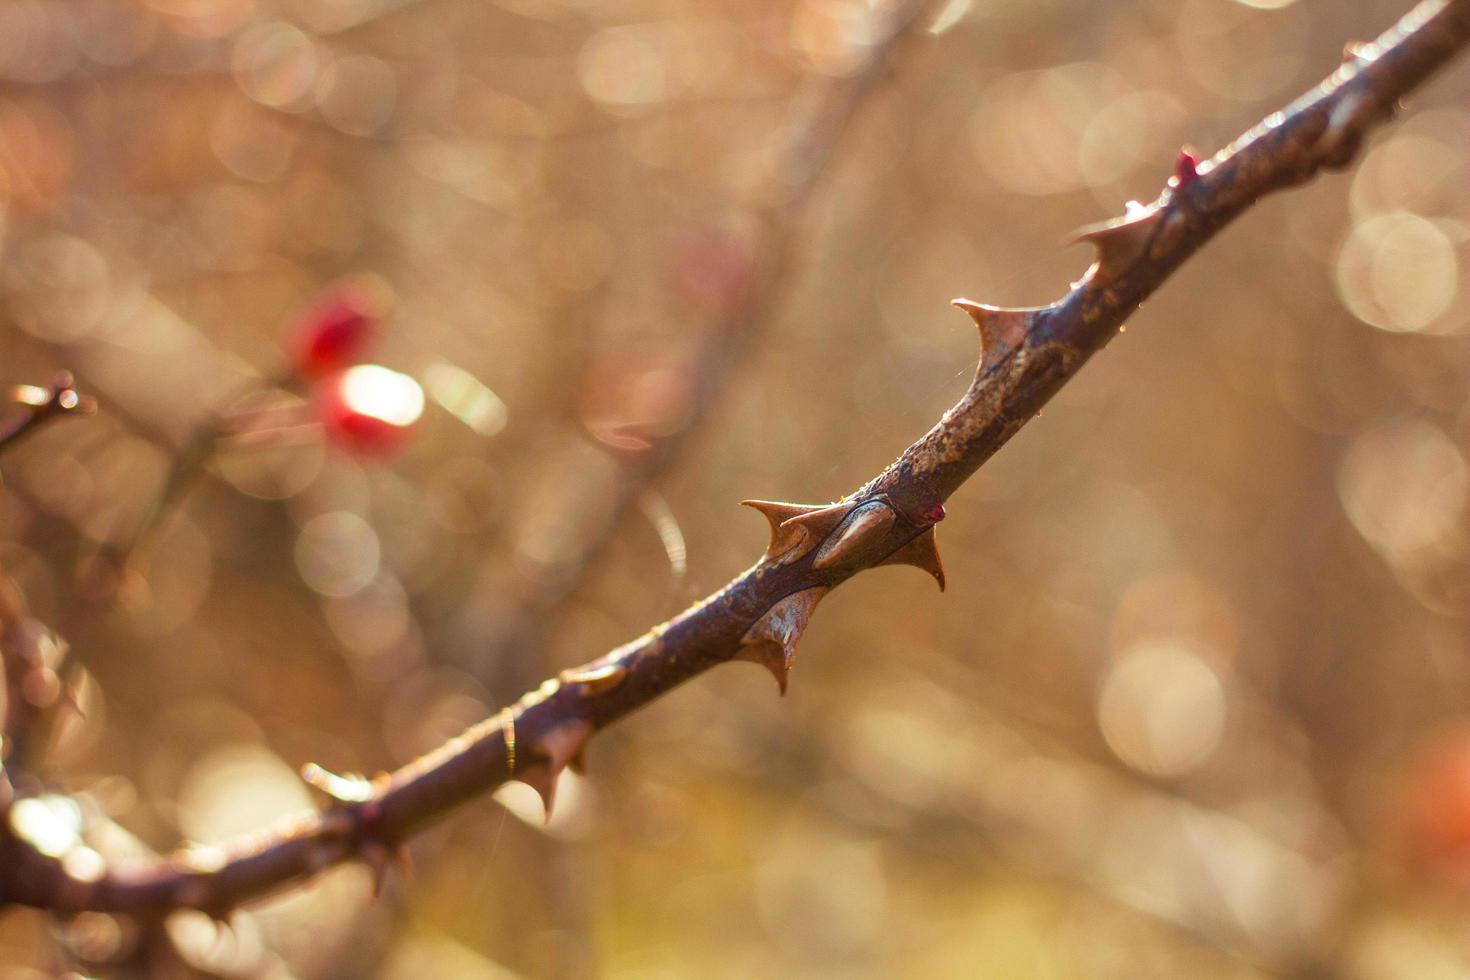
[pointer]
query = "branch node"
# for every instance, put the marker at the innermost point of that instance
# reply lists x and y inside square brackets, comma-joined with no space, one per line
[1186,169]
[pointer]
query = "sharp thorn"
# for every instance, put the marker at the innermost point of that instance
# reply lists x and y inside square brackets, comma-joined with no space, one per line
[550,756]
[921,552]
[1001,330]
[789,527]
[1120,242]
[771,641]
[770,655]
[377,856]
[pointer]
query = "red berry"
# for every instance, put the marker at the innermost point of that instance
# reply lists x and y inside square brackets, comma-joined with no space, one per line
[369,410]
[1438,819]
[335,331]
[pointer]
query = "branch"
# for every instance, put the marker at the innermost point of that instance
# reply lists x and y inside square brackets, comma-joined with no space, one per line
[41,405]
[1027,356]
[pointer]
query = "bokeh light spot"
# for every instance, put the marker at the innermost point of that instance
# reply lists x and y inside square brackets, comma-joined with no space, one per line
[1398,272]
[1162,710]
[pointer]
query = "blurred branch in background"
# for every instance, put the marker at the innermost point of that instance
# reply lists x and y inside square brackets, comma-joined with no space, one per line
[41,405]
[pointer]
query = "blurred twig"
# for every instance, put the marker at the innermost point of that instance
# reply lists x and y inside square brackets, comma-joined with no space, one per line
[759,616]
[42,405]
[817,126]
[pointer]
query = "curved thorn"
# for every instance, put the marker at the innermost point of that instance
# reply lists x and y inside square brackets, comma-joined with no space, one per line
[778,513]
[769,655]
[921,552]
[550,755]
[771,640]
[1121,241]
[375,856]
[1001,329]
[806,531]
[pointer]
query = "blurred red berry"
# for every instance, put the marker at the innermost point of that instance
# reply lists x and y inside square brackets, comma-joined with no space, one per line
[336,331]
[713,270]
[1438,818]
[369,410]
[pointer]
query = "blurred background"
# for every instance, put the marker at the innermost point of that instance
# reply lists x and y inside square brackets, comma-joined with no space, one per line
[1193,704]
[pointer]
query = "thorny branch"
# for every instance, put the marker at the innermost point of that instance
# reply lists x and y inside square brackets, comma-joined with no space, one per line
[1027,355]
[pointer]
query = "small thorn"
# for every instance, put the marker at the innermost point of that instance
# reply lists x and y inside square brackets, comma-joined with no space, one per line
[71,699]
[771,641]
[1120,242]
[921,552]
[864,525]
[772,656]
[403,861]
[379,859]
[550,756]
[788,531]
[1186,169]
[351,788]
[595,678]
[1001,330]
[544,783]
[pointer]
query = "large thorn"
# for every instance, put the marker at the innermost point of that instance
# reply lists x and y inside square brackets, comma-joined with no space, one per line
[921,552]
[771,641]
[796,528]
[550,755]
[1122,241]
[1001,330]
[863,526]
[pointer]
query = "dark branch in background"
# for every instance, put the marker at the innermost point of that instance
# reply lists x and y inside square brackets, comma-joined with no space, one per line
[29,652]
[40,405]
[1027,356]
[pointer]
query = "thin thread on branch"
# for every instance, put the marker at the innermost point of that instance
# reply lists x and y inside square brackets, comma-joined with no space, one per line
[1027,356]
